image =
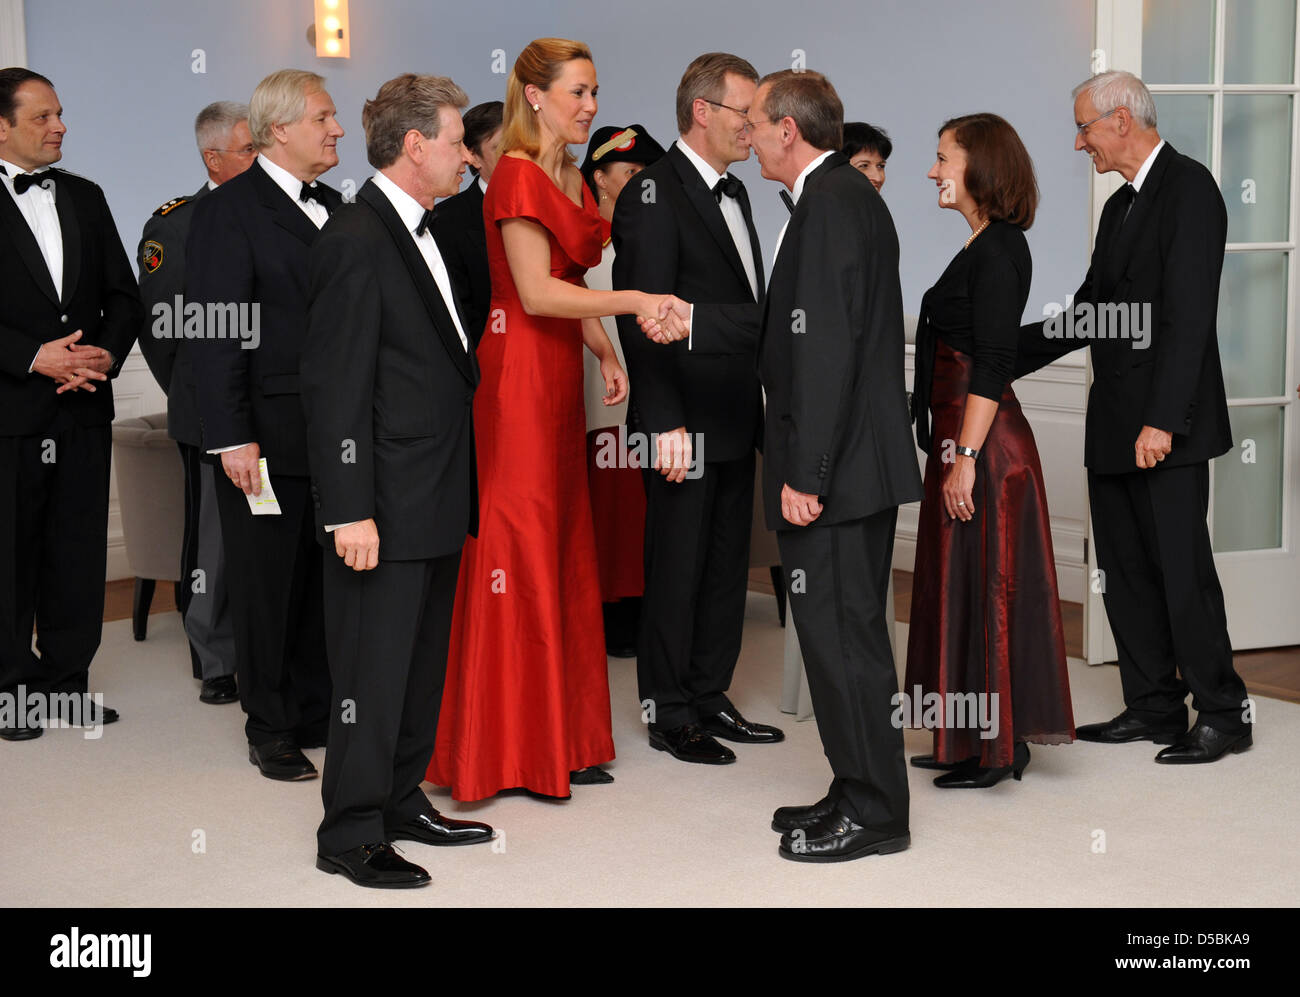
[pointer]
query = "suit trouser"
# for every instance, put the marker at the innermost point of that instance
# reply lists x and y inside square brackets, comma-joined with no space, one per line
[388,631]
[273,580]
[696,576]
[205,607]
[53,553]
[838,604]
[1162,594]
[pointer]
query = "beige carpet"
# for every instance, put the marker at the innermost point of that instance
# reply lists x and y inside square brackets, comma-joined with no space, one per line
[118,821]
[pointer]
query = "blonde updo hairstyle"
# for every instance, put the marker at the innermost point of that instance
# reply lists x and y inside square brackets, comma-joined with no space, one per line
[540,65]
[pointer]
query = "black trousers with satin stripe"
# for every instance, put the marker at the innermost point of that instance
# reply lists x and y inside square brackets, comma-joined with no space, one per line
[53,552]
[273,580]
[1162,594]
[388,631]
[837,599]
[696,575]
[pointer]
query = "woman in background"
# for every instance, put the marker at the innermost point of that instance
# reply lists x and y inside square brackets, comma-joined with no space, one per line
[986,617]
[867,147]
[614,156]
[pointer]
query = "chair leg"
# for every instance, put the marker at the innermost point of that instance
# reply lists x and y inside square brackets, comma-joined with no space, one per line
[140,612]
[778,586]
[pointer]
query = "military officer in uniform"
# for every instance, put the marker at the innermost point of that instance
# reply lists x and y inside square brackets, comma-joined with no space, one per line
[221,130]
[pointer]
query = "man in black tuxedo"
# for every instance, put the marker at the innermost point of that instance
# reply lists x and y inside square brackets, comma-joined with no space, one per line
[1157,414]
[247,254]
[686,228]
[458,221]
[387,389]
[221,130]
[838,456]
[69,313]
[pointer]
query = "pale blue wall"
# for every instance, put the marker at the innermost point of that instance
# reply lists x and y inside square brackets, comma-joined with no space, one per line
[123,73]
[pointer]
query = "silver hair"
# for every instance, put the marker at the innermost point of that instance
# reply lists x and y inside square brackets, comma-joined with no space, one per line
[1117,88]
[280,99]
[214,122]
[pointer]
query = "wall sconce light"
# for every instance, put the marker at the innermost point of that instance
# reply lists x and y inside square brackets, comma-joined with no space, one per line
[331,33]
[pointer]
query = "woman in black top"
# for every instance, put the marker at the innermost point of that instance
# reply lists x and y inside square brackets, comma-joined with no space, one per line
[986,618]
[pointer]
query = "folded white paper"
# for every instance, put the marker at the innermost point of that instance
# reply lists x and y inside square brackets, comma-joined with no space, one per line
[265,504]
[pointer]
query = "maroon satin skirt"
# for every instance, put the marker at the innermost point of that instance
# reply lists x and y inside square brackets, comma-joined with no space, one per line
[986,617]
[618,513]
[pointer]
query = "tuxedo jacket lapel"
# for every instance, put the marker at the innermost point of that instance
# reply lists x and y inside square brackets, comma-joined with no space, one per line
[284,210]
[706,206]
[423,279]
[1124,231]
[71,231]
[755,247]
[13,222]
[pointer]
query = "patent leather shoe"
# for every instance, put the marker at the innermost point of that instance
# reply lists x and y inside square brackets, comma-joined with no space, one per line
[928,762]
[437,829]
[836,838]
[731,726]
[281,760]
[221,689]
[790,818]
[1204,743]
[592,775]
[377,866]
[21,732]
[1126,727]
[972,776]
[690,743]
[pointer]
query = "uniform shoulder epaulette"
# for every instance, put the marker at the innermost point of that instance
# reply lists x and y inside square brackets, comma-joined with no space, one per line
[171,205]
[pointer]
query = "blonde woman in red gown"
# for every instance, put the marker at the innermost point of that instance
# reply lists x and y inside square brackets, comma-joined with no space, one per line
[526,701]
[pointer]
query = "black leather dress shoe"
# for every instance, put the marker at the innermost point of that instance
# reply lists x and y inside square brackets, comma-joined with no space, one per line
[1126,727]
[689,743]
[592,775]
[221,689]
[974,776]
[836,838]
[1204,743]
[791,818]
[281,760]
[928,762]
[21,732]
[731,726]
[88,715]
[440,830]
[375,865]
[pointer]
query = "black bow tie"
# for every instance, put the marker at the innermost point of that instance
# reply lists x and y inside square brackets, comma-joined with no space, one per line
[426,221]
[728,185]
[789,201]
[23,182]
[308,193]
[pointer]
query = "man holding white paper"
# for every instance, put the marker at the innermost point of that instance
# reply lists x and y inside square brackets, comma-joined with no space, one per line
[249,245]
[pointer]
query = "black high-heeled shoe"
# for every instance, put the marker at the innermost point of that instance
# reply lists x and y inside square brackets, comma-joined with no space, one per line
[928,762]
[976,777]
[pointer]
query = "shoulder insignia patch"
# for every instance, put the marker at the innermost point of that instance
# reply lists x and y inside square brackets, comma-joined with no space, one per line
[171,205]
[151,256]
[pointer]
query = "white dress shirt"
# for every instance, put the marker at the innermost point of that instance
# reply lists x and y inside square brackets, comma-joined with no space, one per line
[411,211]
[794,196]
[482,184]
[731,214]
[1146,166]
[292,186]
[42,216]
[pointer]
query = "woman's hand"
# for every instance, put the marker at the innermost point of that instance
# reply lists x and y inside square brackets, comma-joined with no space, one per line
[958,483]
[615,380]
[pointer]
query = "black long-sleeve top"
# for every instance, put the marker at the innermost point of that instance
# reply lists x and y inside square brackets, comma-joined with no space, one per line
[975,308]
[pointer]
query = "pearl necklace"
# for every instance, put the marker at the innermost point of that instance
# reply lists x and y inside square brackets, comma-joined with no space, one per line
[975,233]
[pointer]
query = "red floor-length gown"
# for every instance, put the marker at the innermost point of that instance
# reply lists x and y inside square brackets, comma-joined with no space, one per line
[527,693]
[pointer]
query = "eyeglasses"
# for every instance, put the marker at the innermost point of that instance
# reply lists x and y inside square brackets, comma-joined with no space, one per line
[1083,128]
[751,125]
[742,113]
[247,150]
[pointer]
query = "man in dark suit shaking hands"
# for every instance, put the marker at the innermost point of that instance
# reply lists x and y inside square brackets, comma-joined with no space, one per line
[246,258]
[838,456]
[686,227]
[69,312]
[388,387]
[1157,414]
